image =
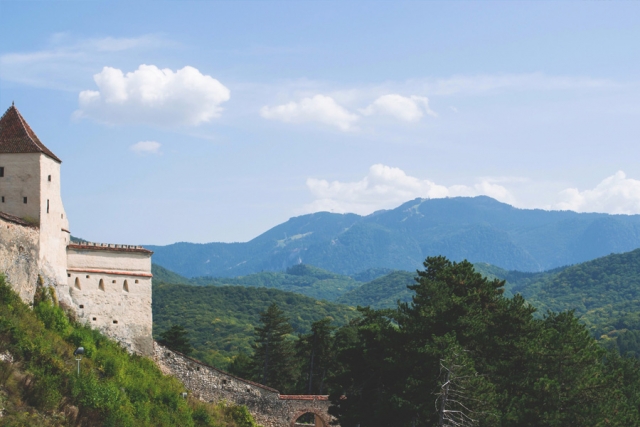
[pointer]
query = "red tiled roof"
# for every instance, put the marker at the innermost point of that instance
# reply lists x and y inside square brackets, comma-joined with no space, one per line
[16,136]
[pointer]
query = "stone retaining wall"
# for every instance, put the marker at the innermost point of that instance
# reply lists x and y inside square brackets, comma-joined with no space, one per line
[267,405]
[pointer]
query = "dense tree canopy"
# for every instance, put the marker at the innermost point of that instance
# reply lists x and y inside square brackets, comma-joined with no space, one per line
[511,368]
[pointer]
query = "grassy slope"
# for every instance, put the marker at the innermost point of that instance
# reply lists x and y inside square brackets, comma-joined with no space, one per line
[39,386]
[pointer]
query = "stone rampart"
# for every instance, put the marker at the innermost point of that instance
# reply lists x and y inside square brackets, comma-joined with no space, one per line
[19,255]
[267,405]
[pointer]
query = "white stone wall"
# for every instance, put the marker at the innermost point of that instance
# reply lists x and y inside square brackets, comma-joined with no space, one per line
[54,225]
[111,291]
[19,257]
[21,179]
[37,177]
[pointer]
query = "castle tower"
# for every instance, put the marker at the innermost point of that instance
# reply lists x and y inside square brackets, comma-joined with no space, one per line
[30,190]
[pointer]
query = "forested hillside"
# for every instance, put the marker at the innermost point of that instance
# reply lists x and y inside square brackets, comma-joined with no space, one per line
[220,320]
[302,279]
[479,229]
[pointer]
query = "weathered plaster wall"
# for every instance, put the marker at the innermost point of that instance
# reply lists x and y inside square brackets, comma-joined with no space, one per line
[19,255]
[268,407]
[21,179]
[110,290]
[54,225]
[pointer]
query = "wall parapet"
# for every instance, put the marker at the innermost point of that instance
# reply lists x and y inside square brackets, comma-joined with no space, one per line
[108,247]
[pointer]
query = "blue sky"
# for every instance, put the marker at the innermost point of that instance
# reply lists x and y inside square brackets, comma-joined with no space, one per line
[214,121]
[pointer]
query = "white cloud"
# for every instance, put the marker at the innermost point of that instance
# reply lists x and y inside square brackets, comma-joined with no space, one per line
[153,96]
[146,147]
[66,60]
[387,187]
[616,194]
[319,108]
[409,109]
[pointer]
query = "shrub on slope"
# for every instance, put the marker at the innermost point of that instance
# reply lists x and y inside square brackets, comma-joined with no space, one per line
[39,384]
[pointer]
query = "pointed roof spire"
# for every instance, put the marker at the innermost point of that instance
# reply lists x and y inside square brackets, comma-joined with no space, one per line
[16,135]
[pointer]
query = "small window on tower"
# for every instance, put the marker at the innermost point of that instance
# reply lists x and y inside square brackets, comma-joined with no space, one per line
[2,199]
[24,200]
[49,178]
[1,171]
[47,205]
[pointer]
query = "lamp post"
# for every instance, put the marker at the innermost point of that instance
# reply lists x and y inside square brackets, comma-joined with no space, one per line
[78,354]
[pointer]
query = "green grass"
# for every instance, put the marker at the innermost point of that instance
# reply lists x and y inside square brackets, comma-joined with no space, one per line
[40,386]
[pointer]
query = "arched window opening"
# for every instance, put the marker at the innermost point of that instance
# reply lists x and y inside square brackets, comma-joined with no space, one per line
[309,419]
[101,285]
[77,283]
[125,286]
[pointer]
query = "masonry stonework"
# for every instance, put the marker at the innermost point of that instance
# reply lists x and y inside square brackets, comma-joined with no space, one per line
[19,255]
[107,286]
[267,405]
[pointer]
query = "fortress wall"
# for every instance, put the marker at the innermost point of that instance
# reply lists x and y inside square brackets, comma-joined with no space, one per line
[111,292]
[268,407]
[54,225]
[19,255]
[21,177]
[108,258]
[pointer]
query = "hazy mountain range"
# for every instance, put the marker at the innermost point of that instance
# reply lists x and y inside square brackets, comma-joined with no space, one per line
[479,229]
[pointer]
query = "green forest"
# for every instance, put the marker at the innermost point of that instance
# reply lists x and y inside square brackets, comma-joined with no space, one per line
[40,384]
[603,293]
[220,320]
[460,353]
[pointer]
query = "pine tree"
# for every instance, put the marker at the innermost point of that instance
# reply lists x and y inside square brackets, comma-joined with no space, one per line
[315,350]
[274,355]
[175,338]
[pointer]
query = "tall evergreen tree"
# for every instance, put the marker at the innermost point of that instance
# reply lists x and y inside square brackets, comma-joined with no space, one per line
[176,338]
[274,354]
[315,351]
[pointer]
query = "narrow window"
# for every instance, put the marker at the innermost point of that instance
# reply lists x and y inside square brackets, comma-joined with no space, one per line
[68,275]
[95,319]
[24,200]
[47,205]
[49,178]
[136,280]
[61,216]
[115,322]
[81,306]
[101,285]
[87,276]
[77,283]
[2,199]
[113,281]
[1,171]
[125,286]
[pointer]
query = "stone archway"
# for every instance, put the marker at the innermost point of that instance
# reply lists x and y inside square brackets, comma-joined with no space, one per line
[320,418]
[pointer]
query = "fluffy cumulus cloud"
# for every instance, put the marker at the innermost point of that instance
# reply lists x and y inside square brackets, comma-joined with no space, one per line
[405,108]
[146,147]
[616,194]
[387,187]
[319,108]
[154,96]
